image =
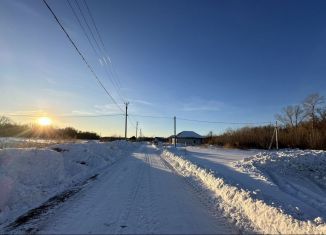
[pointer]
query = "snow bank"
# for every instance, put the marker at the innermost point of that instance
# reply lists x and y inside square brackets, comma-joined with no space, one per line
[28,177]
[17,142]
[310,164]
[245,211]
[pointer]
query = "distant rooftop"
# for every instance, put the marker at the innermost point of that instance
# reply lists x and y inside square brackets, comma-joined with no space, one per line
[189,134]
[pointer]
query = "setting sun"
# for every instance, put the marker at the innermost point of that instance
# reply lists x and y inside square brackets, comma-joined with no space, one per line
[44,121]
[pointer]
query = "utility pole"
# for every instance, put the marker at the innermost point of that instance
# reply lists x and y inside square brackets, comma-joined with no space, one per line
[126,121]
[175,131]
[140,134]
[136,129]
[276,135]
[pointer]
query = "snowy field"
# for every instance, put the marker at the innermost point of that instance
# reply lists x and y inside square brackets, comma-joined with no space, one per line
[269,192]
[15,142]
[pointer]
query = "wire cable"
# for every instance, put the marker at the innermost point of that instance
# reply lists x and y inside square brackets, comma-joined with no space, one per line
[66,115]
[100,52]
[221,122]
[150,116]
[89,28]
[83,28]
[82,56]
[114,81]
[96,29]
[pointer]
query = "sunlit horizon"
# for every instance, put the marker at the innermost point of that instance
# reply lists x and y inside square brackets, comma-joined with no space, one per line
[202,64]
[44,121]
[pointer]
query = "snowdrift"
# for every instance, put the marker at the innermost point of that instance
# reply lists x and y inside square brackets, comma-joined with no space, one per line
[28,177]
[310,164]
[248,213]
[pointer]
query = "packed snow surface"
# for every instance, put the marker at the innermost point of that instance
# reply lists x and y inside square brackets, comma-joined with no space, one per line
[269,192]
[142,189]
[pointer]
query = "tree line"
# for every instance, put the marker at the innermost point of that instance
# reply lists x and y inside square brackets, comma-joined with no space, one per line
[8,128]
[300,126]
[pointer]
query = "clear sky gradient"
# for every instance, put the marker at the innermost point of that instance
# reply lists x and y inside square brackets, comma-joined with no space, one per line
[232,61]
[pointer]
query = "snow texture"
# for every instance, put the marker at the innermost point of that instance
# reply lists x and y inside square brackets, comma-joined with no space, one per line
[138,195]
[310,164]
[30,176]
[247,211]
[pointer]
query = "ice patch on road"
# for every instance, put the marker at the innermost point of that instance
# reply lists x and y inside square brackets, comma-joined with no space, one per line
[238,204]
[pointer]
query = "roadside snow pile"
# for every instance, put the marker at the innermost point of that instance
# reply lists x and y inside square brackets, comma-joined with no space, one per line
[28,177]
[15,142]
[310,164]
[246,212]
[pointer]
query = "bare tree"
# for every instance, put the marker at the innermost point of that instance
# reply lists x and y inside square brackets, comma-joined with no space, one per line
[311,104]
[322,113]
[210,134]
[291,115]
[299,115]
[286,116]
[4,121]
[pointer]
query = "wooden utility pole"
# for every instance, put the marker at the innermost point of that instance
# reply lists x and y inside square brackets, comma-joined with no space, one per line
[126,120]
[175,131]
[136,129]
[276,135]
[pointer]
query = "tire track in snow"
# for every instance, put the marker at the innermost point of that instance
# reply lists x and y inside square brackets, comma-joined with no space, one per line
[153,215]
[141,214]
[139,195]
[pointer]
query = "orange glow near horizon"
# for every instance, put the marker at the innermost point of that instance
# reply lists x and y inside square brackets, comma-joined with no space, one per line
[44,121]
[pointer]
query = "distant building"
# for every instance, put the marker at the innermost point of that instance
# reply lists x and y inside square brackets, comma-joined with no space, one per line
[187,138]
[158,140]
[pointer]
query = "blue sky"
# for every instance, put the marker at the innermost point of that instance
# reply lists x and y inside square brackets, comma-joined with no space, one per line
[232,61]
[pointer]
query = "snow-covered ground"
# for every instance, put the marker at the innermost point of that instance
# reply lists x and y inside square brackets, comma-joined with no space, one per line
[270,192]
[30,176]
[139,193]
[123,187]
[17,142]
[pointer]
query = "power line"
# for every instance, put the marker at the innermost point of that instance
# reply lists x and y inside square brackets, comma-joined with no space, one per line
[203,121]
[138,115]
[114,81]
[84,30]
[89,28]
[150,116]
[131,120]
[91,116]
[221,122]
[96,29]
[82,56]
[98,51]
[66,116]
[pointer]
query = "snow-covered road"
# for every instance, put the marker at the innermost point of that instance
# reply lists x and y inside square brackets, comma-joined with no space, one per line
[277,191]
[138,194]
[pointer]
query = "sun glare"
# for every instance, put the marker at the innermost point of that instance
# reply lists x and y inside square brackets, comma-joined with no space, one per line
[44,121]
